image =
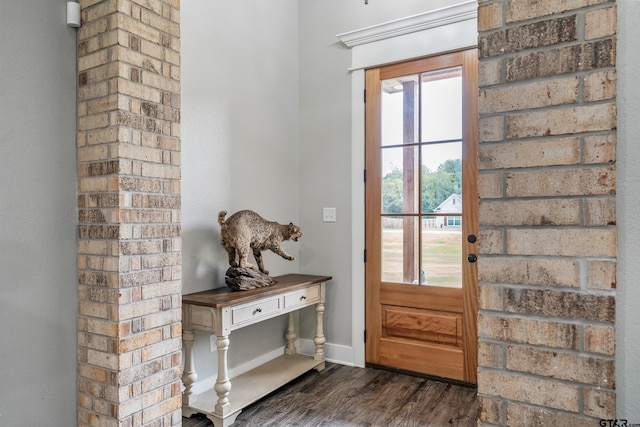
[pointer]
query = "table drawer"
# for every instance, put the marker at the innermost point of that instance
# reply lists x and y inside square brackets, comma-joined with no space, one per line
[302,297]
[254,311]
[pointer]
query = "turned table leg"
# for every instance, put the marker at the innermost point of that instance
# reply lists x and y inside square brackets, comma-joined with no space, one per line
[189,376]
[223,384]
[319,339]
[291,337]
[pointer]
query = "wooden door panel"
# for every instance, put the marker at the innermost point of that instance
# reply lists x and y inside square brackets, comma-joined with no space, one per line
[428,297]
[427,358]
[425,325]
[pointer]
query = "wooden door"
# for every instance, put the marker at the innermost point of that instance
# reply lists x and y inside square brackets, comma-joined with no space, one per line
[421,216]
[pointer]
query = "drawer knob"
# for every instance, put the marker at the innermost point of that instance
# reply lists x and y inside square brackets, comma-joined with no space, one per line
[258,310]
[303,297]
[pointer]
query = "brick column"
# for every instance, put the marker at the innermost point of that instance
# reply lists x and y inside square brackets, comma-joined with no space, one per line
[547,268]
[129,254]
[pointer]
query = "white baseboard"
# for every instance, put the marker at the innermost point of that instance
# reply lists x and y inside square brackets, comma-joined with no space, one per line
[336,353]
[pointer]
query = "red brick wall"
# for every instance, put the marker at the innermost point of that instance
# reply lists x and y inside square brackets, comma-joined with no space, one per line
[547,268]
[129,247]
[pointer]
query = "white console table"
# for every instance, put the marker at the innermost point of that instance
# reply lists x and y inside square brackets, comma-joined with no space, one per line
[221,311]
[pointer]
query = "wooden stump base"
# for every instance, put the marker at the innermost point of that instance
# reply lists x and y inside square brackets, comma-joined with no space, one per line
[243,279]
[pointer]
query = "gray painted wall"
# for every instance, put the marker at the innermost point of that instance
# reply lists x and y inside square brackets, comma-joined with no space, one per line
[325,144]
[628,206]
[239,144]
[38,300]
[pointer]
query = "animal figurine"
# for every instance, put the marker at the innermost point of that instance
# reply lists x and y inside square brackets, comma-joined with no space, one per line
[245,231]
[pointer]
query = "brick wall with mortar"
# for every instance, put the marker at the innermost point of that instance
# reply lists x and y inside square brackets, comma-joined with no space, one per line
[129,247]
[547,268]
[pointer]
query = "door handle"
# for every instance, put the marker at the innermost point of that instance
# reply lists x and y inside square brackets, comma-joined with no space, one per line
[472,258]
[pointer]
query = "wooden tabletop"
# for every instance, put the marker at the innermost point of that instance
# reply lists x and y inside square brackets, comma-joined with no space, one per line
[223,297]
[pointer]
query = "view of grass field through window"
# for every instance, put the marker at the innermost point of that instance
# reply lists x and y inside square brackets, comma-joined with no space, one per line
[441,254]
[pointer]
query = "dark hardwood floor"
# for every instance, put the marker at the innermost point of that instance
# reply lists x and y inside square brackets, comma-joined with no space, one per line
[346,396]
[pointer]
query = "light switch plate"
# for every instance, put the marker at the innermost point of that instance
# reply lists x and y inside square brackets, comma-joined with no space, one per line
[329,214]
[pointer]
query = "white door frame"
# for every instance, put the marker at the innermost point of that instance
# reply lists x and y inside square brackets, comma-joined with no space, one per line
[438,31]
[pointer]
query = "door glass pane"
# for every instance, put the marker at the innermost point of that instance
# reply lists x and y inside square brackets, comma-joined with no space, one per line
[399,180]
[421,153]
[441,187]
[441,105]
[399,119]
[442,250]
[400,249]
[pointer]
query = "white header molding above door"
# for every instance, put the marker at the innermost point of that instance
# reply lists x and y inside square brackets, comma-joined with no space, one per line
[441,30]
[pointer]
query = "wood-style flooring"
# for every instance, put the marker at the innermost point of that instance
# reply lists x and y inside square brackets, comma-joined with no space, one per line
[347,396]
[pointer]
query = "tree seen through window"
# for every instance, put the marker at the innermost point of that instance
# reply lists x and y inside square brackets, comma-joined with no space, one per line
[437,186]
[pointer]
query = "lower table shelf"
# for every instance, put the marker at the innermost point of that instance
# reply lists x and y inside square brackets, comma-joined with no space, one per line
[256,383]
